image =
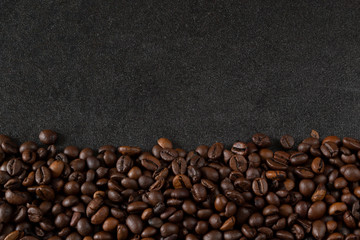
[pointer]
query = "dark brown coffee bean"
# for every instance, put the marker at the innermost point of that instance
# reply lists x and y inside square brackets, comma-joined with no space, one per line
[34,214]
[127,150]
[45,192]
[303,172]
[149,162]
[238,163]
[317,210]
[215,150]
[351,143]
[9,146]
[248,231]
[319,193]
[329,149]
[124,164]
[337,208]
[277,164]
[168,154]
[239,148]
[48,137]
[56,168]
[350,172]
[179,166]
[261,140]
[282,234]
[16,197]
[298,158]
[14,166]
[100,216]
[71,151]
[318,165]
[318,229]
[260,186]
[43,175]
[306,187]
[287,141]
[164,143]
[134,223]
[213,234]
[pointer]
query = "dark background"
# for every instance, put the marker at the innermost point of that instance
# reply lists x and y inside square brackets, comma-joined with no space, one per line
[126,73]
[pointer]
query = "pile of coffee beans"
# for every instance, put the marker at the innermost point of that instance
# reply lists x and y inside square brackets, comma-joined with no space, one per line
[253,190]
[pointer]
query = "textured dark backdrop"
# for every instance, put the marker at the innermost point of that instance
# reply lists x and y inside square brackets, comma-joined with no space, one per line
[194,71]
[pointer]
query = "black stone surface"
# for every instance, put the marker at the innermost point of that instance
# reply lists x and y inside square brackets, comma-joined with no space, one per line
[126,73]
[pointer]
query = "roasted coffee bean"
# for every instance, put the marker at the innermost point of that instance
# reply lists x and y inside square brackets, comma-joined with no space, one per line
[14,166]
[149,162]
[277,164]
[351,143]
[168,154]
[239,148]
[318,229]
[329,149]
[298,158]
[260,186]
[317,210]
[215,150]
[9,146]
[48,136]
[350,172]
[16,197]
[43,175]
[134,223]
[261,140]
[287,141]
[238,163]
[179,166]
[124,164]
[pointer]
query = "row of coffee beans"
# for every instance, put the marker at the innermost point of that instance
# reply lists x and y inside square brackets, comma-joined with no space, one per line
[250,191]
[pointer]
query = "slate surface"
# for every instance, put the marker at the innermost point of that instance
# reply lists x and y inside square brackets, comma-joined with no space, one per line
[196,72]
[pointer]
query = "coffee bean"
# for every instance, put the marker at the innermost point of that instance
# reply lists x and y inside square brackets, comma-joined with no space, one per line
[179,166]
[134,223]
[125,150]
[239,148]
[287,141]
[238,163]
[318,229]
[317,210]
[298,158]
[213,234]
[337,208]
[329,149]
[306,187]
[9,146]
[14,166]
[34,214]
[215,150]
[43,175]
[350,172]
[318,165]
[168,154]
[319,193]
[16,197]
[351,143]
[149,162]
[164,143]
[261,140]
[260,186]
[48,136]
[122,232]
[277,164]
[124,164]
